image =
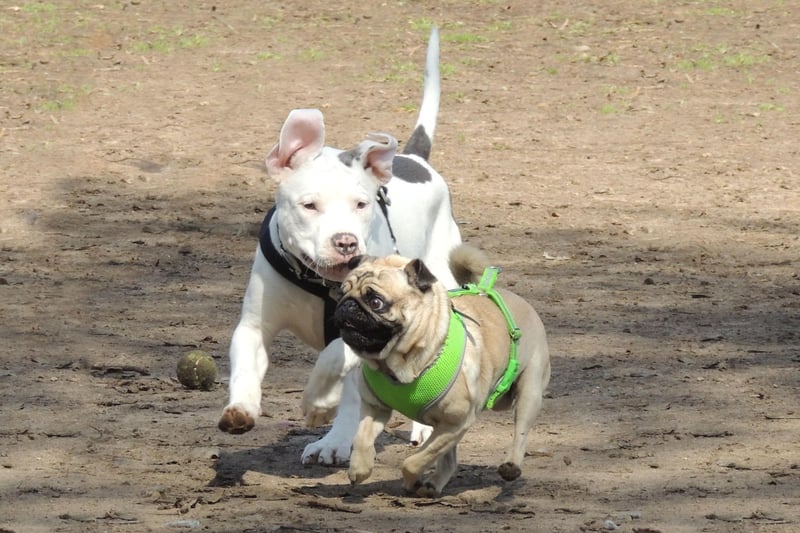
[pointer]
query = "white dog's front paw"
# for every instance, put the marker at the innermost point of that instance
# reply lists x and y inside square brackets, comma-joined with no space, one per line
[419,433]
[237,419]
[327,451]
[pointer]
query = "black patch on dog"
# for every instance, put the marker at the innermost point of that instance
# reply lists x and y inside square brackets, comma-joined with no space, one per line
[360,330]
[409,170]
[419,144]
[404,168]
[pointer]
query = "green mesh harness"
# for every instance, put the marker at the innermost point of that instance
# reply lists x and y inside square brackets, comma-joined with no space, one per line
[413,399]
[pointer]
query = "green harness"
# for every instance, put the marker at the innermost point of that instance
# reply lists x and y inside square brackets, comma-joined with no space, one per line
[413,399]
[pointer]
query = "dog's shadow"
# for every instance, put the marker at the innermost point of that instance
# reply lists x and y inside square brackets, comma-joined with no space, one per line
[282,458]
[471,485]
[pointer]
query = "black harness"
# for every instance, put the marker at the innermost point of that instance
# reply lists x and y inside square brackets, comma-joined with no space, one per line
[305,278]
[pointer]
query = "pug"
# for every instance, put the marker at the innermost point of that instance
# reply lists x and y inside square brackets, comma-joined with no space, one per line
[440,358]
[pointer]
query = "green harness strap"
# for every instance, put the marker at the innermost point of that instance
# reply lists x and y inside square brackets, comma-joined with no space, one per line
[413,399]
[485,287]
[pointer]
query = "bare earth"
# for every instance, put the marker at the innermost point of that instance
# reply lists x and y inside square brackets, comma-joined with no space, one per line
[633,164]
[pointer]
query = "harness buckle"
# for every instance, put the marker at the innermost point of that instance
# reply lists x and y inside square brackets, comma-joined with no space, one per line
[488,278]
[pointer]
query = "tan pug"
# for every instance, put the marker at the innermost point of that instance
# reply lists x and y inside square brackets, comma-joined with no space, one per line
[402,322]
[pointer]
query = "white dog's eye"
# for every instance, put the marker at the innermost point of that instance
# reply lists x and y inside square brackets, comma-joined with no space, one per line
[361,204]
[310,206]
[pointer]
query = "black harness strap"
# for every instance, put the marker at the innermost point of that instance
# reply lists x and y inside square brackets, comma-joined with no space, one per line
[384,203]
[308,281]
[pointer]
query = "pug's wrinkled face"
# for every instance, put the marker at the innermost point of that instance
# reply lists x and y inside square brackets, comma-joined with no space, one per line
[376,300]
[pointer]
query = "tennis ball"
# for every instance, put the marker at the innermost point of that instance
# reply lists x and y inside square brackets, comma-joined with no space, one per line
[197,370]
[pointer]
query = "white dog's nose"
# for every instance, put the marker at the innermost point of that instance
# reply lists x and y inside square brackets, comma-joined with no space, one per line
[345,243]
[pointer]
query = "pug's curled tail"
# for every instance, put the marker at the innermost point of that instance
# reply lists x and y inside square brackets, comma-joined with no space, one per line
[467,263]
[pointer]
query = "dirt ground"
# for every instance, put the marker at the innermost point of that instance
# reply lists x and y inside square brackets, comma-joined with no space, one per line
[633,164]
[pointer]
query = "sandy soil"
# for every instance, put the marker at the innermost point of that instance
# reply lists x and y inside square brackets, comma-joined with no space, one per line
[632,164]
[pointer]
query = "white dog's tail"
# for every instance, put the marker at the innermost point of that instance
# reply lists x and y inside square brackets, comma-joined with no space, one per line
[422,139]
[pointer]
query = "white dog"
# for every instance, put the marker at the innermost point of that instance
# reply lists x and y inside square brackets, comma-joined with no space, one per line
[330,206]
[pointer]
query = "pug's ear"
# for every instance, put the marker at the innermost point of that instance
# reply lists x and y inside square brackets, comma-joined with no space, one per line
[419,276]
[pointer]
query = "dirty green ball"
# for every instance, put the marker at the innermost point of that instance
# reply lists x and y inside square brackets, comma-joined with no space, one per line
[197,370]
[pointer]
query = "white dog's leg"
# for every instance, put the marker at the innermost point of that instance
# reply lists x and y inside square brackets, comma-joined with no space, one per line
[248,353]
[248,366]
[334,447]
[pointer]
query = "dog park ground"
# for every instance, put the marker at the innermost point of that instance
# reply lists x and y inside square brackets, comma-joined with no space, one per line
[632,164]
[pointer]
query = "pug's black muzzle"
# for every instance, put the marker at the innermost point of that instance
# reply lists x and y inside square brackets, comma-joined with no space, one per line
[360,329]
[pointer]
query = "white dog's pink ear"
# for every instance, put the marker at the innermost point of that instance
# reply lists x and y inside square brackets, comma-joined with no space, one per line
[379,154]
[302,139]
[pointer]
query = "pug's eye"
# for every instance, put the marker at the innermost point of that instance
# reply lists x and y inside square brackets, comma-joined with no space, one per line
[376,303]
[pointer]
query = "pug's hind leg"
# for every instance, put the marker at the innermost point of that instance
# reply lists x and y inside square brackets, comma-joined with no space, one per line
[443,470]
[441,443]
[528,405]
[362,459]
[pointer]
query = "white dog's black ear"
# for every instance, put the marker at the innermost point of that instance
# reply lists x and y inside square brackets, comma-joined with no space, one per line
[419,275]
